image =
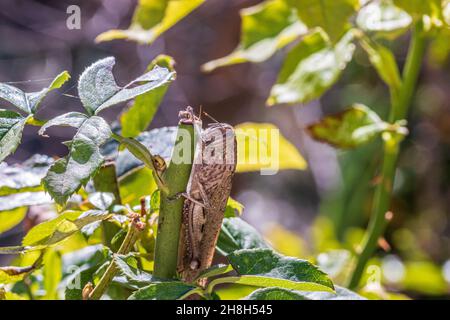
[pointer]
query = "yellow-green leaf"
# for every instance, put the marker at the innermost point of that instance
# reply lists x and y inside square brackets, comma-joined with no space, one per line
[10,219]
[348,129]
[151,19]
[61,227]
[139,115]
[331,15]
[384,62]
[266,28]
[261,147]
[383,19]
[311,68]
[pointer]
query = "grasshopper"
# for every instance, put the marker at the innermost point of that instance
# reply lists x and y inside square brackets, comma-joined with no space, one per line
[206,197]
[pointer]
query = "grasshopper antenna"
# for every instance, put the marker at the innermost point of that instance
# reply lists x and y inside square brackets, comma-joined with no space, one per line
[200,112]
[206,114]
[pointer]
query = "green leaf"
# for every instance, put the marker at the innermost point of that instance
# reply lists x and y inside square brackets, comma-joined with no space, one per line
[10,219]
[265,268]
[348,129]
[70,119]
[266,28]
[139,115]
[52,273]
[331,15]
[66,224]
[163,291]
[340,294]
[215,270]
[11,127]
[310,68]
[24,177]
[275,294]
[136,185]
[237,234]
[68,174]
[384,62]
[262,147]
[98,89]
[101,200]
[35,98]
[79,267]
[285,294]
[132,273]
[383,19]
[29,102]
[77,281]
[85,258]
[14,274]
[151,19]
[233,209]
[158,141]
[24,199]
[419,8]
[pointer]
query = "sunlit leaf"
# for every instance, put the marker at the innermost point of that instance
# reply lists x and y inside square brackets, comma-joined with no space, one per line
[348,129]
[215,270]
[233,209]
[265,268]
[139,115]
[132,273]
[24,199]
[151,19]
[14,274]
[266,28]
[237,234]
[419,8]
[101,200]
[384,62]
[11,128]
[24,177]
[136,185]
[424,277]
[98,89]
[384,19]
[261,147]
[70,119]
[68,174]
[310,68]
[10,219]
[52,273]
[159,141]
[163,291]
[28,102]
[61,227]
[331,15]
[275,294]
[340,294]
[286,294]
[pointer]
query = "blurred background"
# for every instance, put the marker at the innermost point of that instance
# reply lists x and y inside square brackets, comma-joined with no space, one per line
[323,208]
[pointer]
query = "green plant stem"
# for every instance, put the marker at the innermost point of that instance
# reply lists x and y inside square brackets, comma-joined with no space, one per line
[127,244]
[383,192]
[106,181]
[176,178]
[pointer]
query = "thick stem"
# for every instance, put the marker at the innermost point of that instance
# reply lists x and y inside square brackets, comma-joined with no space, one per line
[176,178]
[382,198]
[106,181]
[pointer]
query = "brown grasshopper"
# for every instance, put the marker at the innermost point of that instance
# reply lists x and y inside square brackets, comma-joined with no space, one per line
[206,196]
